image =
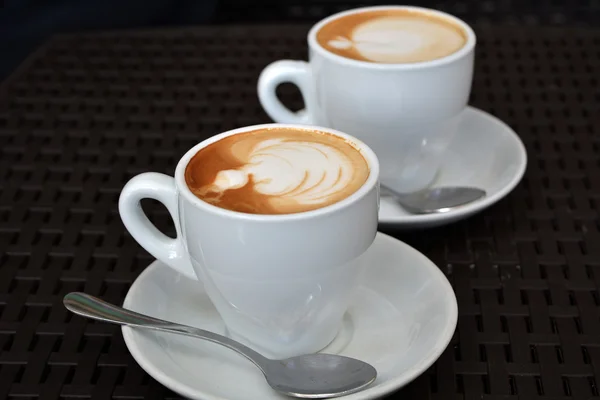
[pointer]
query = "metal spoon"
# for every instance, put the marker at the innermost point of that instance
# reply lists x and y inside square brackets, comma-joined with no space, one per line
[310,376]
[436,200]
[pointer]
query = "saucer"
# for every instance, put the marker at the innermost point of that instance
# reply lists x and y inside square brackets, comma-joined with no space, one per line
[401,320]
[485,153]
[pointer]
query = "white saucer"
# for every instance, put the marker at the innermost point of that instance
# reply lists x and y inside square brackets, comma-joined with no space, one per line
[486,153]
[401,320]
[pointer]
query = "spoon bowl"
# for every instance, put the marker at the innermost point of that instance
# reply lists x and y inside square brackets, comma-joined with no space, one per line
[435,200]
[309,376]
[328,376]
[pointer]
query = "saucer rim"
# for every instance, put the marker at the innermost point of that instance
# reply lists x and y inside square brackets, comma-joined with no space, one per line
[384,388]
[476,206]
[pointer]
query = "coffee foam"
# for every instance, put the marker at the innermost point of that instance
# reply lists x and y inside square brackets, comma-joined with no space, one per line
[391,36]
[276,171]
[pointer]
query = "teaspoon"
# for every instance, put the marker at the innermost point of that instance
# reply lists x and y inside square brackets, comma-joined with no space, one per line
[436,200]
[310,376]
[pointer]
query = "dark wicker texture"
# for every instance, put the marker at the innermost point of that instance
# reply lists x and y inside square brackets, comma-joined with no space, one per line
[86,113]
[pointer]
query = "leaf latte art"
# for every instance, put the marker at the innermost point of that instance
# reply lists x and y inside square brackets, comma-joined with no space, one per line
[391,36]
[280,169]
[276,171]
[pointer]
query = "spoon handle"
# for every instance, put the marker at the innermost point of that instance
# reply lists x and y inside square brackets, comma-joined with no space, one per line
[95,308]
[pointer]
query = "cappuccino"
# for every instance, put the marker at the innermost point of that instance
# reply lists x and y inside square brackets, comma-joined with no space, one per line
[277,171]
[392,36]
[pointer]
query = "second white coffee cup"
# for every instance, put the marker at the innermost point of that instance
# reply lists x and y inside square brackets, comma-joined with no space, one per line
[406,112]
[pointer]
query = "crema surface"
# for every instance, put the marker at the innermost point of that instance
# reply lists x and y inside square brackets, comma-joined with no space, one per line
[392,36]
[276,171]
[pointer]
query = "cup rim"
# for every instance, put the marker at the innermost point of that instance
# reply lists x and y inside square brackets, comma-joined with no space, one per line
[366,151]
[462,52]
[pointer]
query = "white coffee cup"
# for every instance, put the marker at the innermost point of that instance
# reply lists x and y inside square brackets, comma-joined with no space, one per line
[281,283]
[407,113]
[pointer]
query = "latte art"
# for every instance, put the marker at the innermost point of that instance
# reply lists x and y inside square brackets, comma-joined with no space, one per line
[391,36]
[305,172]
[278,171]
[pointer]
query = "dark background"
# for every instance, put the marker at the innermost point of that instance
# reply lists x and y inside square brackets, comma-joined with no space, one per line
[25,24]
[545,12]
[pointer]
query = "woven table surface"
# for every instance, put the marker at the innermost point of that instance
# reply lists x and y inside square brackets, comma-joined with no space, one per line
[86,113]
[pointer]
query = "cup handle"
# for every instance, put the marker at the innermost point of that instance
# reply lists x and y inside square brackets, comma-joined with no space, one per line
[296,72]
[152,185]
